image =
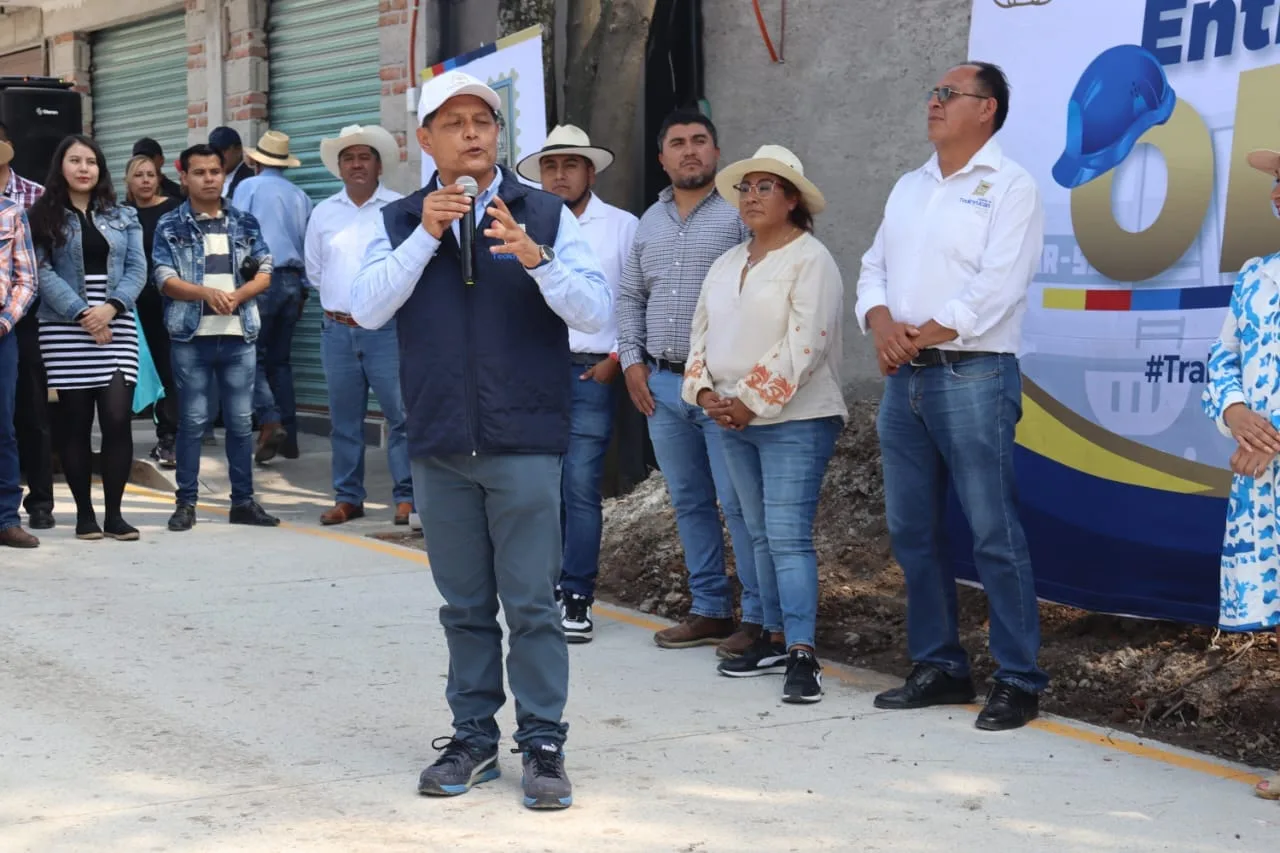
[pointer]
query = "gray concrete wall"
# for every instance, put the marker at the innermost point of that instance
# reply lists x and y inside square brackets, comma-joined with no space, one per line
[848,100]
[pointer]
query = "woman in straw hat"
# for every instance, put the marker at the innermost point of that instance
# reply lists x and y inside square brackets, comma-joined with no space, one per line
[764,363]
[1242,399]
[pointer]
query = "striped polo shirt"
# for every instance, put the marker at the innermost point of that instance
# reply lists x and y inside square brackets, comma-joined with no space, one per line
[217,275]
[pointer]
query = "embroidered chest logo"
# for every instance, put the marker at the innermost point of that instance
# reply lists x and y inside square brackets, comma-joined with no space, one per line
[978,198]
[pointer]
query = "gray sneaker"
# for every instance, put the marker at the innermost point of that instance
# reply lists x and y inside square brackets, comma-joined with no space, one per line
[544,781]
[457,769]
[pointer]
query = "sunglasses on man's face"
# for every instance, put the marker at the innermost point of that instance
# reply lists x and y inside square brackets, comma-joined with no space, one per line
[946,93]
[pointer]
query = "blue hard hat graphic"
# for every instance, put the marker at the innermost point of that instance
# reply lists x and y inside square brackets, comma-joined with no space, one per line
[1120,96]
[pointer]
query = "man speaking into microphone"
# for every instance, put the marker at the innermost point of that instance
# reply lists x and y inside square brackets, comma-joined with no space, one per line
[482,368]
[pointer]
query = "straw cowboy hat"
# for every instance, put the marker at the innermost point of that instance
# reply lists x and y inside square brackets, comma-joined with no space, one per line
[1265,160]
[273,150]
[377,138]
[565,139]
[775,160]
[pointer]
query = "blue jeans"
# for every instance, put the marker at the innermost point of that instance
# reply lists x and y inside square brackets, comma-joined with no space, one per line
[354,361]
[689,449]
[273,397]
[590,428]
[199,365]
[493,536]
[959,419]
[777,472]
[10,474]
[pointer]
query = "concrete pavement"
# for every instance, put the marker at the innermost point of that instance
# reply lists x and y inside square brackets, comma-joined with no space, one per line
[270,690]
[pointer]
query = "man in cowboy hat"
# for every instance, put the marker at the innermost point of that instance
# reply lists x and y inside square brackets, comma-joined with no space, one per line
[282,210]
[355,359]
[32,422]
[482,367]
[567,166]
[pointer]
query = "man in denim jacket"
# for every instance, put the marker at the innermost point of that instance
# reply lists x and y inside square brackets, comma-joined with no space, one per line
[210,263]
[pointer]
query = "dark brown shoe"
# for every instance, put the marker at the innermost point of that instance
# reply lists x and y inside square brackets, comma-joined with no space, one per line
[16,537]
[341,514]
[270,437]
[403,511]
[738,643]
[694,631]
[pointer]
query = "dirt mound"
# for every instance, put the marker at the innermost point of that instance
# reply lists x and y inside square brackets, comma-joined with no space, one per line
[1184,684]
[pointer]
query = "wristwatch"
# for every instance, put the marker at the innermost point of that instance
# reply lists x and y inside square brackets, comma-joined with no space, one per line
[548,254]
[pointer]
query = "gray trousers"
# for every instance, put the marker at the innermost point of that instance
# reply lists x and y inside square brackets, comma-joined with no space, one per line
[492,525]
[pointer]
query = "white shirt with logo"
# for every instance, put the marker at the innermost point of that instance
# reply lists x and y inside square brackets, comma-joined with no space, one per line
[959,250]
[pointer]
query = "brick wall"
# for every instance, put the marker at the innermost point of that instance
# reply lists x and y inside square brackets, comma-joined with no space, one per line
[393,45]
[70,59]
[245,68]
[197,72]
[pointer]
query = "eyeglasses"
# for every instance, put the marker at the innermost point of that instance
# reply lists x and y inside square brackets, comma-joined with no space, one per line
[763,188]
[946,93]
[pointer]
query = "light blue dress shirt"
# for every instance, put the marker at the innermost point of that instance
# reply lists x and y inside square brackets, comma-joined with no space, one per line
[573,285]
[282,210]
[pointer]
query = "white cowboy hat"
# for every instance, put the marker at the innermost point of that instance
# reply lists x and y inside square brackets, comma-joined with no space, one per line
[273,150]
[775,160]
[452,84]
[377,138]
[565,139]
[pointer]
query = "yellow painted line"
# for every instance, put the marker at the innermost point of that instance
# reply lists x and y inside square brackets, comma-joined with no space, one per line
[1061,728]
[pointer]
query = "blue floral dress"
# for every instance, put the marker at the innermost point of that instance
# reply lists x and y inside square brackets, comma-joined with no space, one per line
[1244,367]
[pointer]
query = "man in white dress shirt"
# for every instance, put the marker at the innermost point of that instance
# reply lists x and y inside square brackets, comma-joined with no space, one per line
[567,166]
[355,359]
[943,291]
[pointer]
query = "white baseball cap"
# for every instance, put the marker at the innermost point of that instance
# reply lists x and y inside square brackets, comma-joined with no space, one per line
[451,84]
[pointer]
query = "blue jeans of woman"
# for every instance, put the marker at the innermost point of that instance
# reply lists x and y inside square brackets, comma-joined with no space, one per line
[777,472]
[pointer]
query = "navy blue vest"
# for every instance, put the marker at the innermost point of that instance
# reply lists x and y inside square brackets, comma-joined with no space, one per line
[483,369]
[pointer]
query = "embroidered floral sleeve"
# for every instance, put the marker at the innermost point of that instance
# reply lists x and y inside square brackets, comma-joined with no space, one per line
[814,306]
[1239,341]
[696,376]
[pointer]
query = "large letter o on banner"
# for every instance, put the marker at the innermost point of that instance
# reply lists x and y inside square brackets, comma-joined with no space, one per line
[1127,256]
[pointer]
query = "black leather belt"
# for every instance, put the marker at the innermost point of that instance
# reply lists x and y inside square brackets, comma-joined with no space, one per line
[588,359]
[939,357]
[676,367]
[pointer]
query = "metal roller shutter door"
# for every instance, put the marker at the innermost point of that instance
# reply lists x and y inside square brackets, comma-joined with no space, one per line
[140,89]
[324,65]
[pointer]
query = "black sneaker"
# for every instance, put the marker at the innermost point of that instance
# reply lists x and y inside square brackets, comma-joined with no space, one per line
[575,613]
[457,769]
[164,455]
[289,448]
[120,530]
[804,678]
[544,781]
[87,527]
[762,657]
[1008,707]
[253,515]
[183,518]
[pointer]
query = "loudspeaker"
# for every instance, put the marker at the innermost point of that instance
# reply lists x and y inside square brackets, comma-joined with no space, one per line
[40,113]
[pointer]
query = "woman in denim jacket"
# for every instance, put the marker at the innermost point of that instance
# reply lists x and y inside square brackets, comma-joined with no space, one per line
[91,268]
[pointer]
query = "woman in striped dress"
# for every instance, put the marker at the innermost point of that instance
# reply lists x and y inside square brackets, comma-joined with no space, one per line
[92,267]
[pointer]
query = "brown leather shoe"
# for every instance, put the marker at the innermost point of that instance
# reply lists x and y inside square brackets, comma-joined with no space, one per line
[270,437]
[341,514]
[16,537]
[694,631]
[403,511]
[738,643]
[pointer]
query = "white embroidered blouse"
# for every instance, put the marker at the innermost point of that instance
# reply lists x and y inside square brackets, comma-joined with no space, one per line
[773,339]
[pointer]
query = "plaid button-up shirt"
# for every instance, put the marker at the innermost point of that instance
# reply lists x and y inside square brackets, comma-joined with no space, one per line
[22,191]
[18,270]
[663,276]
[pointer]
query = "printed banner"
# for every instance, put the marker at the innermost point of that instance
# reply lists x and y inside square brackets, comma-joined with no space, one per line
[512,67]
[1135,118]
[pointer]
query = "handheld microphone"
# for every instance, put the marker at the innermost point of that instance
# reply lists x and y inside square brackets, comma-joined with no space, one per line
[467,230]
